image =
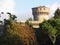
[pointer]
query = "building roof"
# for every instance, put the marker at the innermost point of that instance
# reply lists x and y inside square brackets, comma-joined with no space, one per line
[39,7]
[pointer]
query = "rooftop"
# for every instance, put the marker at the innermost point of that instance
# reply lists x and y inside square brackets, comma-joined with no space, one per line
[39,7]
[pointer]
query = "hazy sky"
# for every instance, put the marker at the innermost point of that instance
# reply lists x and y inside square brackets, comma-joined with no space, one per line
[23,8]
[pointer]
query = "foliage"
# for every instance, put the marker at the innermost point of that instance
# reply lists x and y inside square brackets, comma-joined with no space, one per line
[57,13]
[11,16]
[52,26]
[30,19]
[16,34]
[14,17]
[28,22]
[49,28]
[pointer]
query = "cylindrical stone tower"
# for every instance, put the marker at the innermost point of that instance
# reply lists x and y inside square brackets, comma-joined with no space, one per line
[40,13]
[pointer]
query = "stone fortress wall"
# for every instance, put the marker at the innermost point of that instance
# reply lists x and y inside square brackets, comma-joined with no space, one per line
[40,14]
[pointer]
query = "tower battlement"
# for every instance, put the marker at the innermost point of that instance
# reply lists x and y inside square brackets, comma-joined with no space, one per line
[40,12]
[40,9]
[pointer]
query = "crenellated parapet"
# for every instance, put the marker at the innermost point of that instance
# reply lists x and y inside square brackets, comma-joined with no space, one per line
[39,13]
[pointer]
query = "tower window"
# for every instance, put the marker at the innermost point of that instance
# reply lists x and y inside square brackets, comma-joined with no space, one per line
[40,8]
[44,8]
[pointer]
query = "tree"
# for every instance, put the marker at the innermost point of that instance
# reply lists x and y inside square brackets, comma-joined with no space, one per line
[28,22]
[52,26]
[30,19]
[57,13]
[49,30]
[11,16]
[25,33]
[16,34]
[14,17]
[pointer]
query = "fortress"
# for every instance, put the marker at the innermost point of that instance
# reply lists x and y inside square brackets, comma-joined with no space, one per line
[39,14]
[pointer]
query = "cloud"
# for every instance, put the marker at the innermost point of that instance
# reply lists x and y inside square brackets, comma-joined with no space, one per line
[7,6]
[53,8]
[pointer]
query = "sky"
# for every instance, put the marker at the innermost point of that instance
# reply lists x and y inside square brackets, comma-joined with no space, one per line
[23,8]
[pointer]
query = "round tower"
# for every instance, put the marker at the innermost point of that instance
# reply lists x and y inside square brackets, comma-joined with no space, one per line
[40,13]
